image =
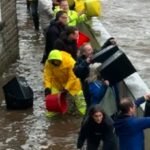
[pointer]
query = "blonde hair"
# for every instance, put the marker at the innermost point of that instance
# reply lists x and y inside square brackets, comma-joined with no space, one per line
[94,73]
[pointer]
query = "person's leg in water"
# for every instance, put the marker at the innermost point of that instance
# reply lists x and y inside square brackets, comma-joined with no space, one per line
[35,15]
[28,5]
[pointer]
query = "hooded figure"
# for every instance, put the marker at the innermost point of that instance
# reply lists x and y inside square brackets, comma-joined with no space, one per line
[58,73]
[59,76]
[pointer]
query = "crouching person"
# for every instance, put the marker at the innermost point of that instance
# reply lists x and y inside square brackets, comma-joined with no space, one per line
[59,77]
[97,128]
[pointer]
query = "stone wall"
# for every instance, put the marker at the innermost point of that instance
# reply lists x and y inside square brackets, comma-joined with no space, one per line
[9,44]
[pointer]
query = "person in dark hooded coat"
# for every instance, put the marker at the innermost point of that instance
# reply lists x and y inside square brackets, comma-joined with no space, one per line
[56,27]
[97,128]
[68,41]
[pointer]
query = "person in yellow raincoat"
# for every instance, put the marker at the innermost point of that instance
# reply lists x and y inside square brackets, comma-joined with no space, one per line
[59,77]
[74,17]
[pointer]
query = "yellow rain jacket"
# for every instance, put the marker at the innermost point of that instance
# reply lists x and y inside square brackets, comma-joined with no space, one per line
[79,5]
[62,77]
[73,17]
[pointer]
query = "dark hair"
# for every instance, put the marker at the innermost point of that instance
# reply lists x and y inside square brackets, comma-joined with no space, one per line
[94,109]
[70,30]
[125,104]
[59,14]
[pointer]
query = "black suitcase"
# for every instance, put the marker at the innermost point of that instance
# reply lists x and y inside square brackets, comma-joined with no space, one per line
[116,68]
[18,94]
[105,53]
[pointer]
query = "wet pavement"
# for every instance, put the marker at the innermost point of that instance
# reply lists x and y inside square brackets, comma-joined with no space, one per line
[31,129]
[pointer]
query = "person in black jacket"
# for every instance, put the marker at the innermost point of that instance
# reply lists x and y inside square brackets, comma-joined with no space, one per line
[97,127]
[68,41]
[81,69]
[56,27]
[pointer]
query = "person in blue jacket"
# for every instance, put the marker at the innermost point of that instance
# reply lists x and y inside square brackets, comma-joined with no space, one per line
[129,128]
[96,84]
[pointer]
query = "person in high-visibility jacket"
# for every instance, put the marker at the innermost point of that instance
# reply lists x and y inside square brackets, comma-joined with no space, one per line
[74,17]
[59,76]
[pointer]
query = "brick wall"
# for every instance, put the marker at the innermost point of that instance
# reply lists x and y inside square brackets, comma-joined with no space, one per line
[9,45]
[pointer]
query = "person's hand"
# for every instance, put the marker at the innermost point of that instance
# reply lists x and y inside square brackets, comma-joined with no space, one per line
[88,60]
[147,96]
[106,82]
[47,91]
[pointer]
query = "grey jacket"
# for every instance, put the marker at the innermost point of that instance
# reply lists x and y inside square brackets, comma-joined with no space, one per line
[45,13]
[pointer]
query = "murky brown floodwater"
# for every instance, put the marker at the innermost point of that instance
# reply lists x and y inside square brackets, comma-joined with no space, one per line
[128,21]
[30,129]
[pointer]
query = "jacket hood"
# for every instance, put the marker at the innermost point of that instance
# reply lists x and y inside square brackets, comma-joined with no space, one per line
[55,55]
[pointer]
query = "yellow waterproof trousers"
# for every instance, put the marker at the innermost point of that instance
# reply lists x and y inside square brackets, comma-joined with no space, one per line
[76,104]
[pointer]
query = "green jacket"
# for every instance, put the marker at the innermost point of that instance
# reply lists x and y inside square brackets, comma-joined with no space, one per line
[74,18]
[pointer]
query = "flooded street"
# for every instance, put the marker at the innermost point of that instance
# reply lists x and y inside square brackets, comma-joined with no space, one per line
[128,21]
[31,129]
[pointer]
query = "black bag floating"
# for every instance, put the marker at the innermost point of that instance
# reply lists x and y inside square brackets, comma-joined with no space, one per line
[105,53]
[147,109]
[18,94]
[116,68]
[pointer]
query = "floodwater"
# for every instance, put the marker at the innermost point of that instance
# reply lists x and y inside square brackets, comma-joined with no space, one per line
[127,21]
[31,129]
